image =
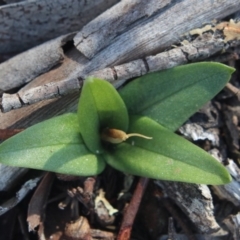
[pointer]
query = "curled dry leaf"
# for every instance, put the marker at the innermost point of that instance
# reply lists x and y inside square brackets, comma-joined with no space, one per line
[230,29]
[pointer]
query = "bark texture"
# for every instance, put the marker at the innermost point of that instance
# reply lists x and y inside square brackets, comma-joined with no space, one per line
[199,49]
[195,201]
[150,35]
[25,24]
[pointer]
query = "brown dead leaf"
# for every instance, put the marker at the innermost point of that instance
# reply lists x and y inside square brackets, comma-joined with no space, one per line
[78,229]
[230,29]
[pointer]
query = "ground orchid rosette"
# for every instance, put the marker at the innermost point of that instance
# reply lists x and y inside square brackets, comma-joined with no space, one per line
[131,130]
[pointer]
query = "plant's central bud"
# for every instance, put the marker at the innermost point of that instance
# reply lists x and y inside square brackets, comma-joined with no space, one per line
[117,136]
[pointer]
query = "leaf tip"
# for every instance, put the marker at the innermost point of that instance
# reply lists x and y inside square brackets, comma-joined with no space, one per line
[227,179]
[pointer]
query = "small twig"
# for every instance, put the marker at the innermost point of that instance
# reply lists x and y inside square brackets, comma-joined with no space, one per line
[7,133]
[233,90]
[129,216]
[117,75]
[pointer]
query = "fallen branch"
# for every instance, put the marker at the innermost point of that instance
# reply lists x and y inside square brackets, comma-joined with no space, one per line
[145,37]
[25,24]
[132,209]
[199,49]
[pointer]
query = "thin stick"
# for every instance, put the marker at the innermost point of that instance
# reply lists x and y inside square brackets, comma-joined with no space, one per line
[130,214]
[233,90]
[7,133]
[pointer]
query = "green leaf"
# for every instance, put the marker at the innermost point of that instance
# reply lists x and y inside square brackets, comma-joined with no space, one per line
[167,156]
[170,97]
[53,145]
[100,106]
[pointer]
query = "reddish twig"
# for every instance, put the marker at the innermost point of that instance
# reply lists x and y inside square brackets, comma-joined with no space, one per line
[129,216]
[7,133]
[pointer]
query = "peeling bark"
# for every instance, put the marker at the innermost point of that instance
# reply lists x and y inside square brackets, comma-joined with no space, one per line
[159,31]
[103,30]
[195,201]
[150,36]
[233,224]
[25,67]
[117,75]
[24,190]
[231,191]
[9,176]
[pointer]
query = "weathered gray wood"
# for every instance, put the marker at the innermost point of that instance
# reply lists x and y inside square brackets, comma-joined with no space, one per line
[159,31]
[168,30]
[10,101]
[231,191]
[195,201]
[50,90]
[26,66]
[9,176]
[33,95]
[222,235]
[199,49]
[233,224]
[29,23]
[104,29]
[149,30]
[37,112]
[196,132]
[24,190]
[13,1]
